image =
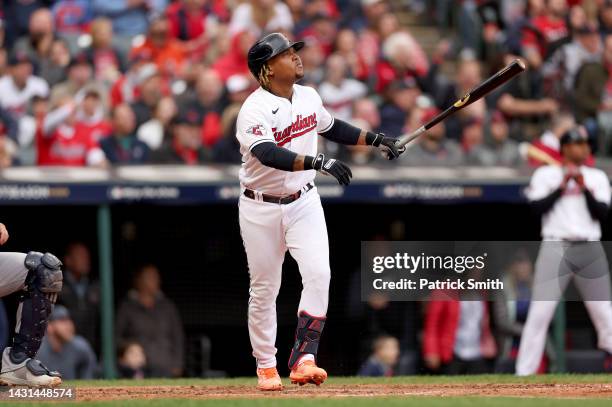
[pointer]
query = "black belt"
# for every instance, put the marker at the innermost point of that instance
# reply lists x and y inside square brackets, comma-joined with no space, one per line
[249,193]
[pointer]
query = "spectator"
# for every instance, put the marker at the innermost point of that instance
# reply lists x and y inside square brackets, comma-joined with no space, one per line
[227,149]
[154,132]
[123,146]
[565,63]
[403,58]
[385,355]
[523,103]
[313,61]
[365,109]
[149,318]
[126,89]
[132,361]
[53,69]
[261,16]
[400,100]
[207,102]
[499,150]
[185,146]
[129,17]
[107,61]
[347,47]
[472,137]
[37,45]
[62,140]
[433,148]
[543,30]
[235,60]
[195,23]
[91,114]
[19,87]
[605,17]
[338,91]
[16,15]
[457,336]
[80,292]
[8,152]
[150,92]
[64,351]
[80,77]
[165,51]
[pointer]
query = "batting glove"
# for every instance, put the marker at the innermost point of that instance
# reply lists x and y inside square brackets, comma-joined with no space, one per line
[333,167]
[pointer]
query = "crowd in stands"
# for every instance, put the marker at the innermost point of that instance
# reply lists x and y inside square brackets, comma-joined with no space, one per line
[97,83]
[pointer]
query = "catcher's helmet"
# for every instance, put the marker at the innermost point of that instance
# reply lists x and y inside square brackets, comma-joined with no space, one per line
[268,47]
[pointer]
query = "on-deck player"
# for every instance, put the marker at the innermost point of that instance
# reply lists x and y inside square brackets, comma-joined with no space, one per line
[573,201]
[39,279]
[280,209]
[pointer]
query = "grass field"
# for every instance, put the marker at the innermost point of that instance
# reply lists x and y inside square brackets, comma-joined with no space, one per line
[421,391]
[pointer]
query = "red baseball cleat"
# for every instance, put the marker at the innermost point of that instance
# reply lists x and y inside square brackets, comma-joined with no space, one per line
[268,379]
[307,372]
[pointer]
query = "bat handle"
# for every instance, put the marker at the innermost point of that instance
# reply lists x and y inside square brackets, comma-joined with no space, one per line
[409,137]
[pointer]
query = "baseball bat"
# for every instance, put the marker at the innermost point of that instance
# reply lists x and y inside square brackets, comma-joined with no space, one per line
[516,67]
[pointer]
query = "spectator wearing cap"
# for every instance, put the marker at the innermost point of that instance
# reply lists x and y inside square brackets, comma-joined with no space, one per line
[129,17]
[261,16]
[20,85]
[107,61]
[472,135]
[155,131]
[563,66]
[37,44]
[209,103]
[400,99]
[150,92]
[433,149]
[123,146]
[499,149]
[62,140]
[185,145]
[166,52]
[64,351]
[337,91]
[16,16]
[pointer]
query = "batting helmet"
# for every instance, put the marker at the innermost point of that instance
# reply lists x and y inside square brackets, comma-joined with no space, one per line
[267,48]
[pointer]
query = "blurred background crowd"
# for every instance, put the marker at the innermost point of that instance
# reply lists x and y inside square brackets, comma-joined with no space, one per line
[157,81]
[105,82]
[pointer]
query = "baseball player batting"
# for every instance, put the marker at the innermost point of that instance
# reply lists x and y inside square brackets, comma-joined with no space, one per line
[279,207]
[573,200]
[38,277]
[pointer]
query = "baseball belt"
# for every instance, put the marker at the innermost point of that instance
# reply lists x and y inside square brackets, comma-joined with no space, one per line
[249,193]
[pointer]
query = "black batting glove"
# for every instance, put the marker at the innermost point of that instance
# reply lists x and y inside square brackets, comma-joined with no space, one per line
[389,146]
[333,167]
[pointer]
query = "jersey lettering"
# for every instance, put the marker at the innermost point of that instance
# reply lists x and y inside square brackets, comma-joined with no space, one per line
[299,127]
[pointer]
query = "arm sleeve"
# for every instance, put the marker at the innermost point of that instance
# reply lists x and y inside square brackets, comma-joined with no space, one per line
[342,132]
[55,118]
[541,206]
[597,209]
[270,155]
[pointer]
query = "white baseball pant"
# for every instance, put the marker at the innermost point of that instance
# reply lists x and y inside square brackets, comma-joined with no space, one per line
[268,230]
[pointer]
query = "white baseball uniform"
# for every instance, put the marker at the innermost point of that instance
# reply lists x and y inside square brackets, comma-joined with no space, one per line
[268,229]
[564,255]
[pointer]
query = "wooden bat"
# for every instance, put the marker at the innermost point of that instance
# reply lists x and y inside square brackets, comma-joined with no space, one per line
[516,67]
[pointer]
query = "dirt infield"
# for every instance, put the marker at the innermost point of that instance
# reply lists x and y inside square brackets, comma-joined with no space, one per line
[566,390]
